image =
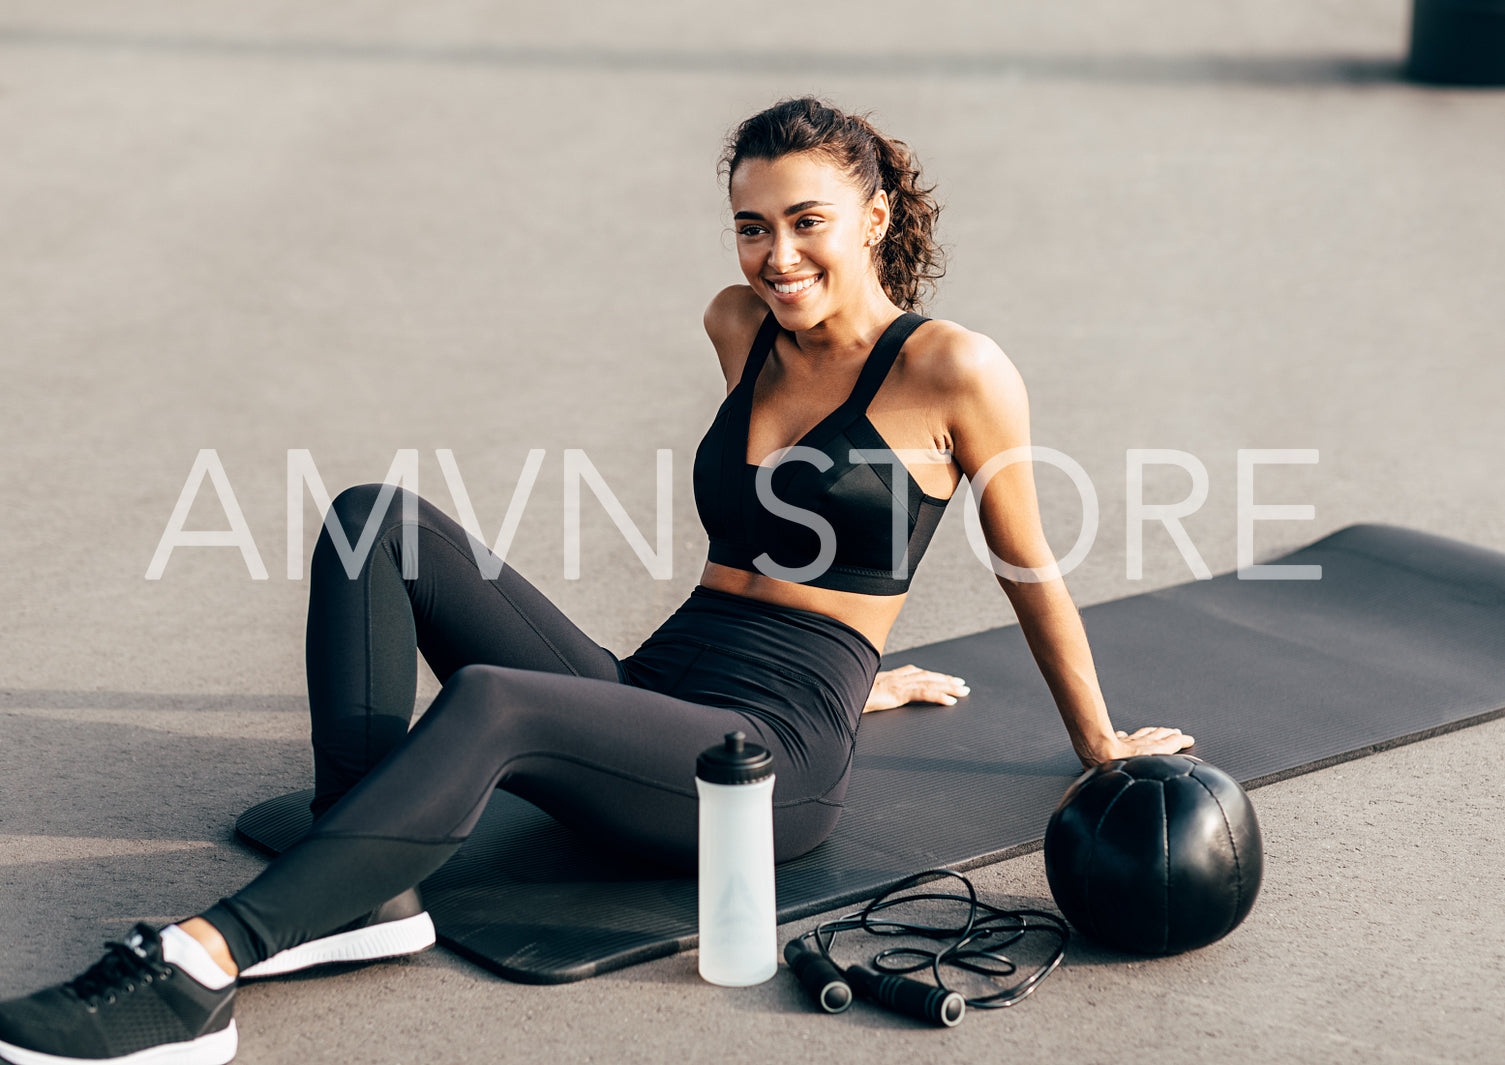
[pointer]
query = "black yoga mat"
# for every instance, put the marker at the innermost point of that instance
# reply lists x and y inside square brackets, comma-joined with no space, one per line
[1403,637]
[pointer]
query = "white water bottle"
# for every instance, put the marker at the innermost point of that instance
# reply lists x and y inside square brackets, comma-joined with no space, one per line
[738,918]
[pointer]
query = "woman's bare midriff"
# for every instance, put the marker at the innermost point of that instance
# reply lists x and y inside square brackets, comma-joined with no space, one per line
[871,615]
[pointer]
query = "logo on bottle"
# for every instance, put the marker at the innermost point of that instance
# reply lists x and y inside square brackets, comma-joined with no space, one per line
[737,916]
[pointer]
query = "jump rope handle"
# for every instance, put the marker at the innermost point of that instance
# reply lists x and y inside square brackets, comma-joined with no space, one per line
[822,981]
[831,988]
[903,995]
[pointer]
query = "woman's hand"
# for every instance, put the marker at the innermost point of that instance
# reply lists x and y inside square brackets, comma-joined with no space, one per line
[911,684]
[1148,740]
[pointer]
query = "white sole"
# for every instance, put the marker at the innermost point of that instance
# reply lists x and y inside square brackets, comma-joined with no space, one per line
[390,939]
[217,1048]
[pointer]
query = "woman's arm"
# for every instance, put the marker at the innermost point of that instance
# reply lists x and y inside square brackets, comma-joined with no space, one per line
[988,416]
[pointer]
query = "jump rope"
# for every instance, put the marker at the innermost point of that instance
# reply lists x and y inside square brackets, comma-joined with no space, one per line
[974,946]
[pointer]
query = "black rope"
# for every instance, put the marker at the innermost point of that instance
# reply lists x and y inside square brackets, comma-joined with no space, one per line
[976,945]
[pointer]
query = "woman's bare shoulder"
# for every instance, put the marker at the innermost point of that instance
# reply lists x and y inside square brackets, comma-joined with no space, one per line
[959,363]
[731,321]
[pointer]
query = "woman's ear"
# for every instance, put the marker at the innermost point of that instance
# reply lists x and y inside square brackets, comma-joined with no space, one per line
[878,217]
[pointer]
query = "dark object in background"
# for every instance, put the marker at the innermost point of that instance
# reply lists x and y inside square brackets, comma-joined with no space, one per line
[1457,42]
[1155,854]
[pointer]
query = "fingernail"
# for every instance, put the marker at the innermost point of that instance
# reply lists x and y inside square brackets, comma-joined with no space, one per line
[964,690]
[947,700]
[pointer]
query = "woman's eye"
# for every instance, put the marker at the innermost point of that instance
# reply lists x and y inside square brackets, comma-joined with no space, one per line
[750,231]
[813,222]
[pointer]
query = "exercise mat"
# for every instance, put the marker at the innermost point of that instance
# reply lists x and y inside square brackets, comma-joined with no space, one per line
[1400,639]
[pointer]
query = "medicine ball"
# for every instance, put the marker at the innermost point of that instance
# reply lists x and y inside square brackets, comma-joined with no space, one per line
[1154,854]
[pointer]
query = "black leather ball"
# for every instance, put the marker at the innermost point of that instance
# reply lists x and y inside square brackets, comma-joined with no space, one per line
[1154,854]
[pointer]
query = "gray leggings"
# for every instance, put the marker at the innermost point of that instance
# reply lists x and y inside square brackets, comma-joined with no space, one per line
[533,705]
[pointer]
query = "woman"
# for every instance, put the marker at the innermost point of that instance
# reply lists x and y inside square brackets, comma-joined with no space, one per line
[812,545]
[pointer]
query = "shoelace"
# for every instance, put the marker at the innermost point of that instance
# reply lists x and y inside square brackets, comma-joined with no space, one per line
[121,967]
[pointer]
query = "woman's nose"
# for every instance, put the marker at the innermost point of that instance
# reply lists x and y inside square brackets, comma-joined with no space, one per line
[783,256]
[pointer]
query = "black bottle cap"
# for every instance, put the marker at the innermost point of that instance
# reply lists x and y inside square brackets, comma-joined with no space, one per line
[734,761]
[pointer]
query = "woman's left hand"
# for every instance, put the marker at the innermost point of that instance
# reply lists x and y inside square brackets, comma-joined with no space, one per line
[911,684]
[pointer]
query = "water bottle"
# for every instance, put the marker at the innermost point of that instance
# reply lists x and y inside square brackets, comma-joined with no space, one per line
[738,937]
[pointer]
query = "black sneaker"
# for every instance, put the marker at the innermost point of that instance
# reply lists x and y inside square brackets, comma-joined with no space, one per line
[398,926]
[130,1007]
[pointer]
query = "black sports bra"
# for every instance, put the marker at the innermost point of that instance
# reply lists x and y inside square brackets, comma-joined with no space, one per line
[842,535]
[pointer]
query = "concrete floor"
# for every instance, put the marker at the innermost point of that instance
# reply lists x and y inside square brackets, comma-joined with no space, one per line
[492,227]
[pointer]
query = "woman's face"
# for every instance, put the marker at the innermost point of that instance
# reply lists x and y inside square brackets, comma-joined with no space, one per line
[802,231]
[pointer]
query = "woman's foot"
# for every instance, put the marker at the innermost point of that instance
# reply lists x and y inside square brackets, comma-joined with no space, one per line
[397,927]
[154,999]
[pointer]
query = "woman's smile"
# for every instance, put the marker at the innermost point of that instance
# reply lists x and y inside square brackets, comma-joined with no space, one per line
[792,289]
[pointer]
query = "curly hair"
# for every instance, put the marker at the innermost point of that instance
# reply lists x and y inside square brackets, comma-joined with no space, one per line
[908,259]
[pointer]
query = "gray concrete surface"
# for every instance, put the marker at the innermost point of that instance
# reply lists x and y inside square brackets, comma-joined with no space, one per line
[355,228]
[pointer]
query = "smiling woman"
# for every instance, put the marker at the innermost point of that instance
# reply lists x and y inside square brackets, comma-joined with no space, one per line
[812,545]
[887,410]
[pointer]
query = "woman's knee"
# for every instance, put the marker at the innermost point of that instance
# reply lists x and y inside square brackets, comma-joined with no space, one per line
[475,697]
[349,516]
[476,680]
[354,507]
